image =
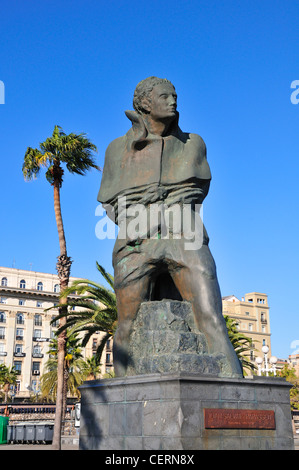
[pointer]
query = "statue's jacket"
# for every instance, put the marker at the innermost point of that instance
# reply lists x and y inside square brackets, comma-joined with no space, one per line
[144,168]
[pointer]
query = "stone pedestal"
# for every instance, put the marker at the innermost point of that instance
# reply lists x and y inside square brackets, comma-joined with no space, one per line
[167,411]
[164,338]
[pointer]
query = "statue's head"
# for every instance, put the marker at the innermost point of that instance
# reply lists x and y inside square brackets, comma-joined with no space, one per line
[144,93]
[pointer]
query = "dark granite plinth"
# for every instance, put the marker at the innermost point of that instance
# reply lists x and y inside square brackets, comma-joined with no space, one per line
[166,411]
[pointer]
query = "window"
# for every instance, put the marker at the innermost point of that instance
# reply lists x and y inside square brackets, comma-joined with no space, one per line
[17,387]
[37,320]
[19,333]
[2,348]
[34,386]
[21,302]
[4,282]
[20,319]
[2,317]
[40,286]
[263,317]
[39,304]
[2,332]
[56,323]
[57,288]
[23,284]
[18,348]
[3,300]
[37,333]
[36,349]
[18,366]
[108,358]
[35,368]
[250,327]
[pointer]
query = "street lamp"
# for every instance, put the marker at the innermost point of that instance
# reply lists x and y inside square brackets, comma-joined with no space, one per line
[266,367]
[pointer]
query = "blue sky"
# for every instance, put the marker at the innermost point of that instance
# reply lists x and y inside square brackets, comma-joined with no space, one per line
[76,64]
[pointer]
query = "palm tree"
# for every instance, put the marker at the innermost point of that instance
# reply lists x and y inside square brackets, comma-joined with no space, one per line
[8,377]
[92,367]
[75,151]
[76,369]
[97,310]
[241,343]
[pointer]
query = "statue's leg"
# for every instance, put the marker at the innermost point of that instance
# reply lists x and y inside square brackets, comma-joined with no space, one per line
[128,300]
[197,283]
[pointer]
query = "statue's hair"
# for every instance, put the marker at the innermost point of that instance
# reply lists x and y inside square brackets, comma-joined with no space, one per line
[143,90]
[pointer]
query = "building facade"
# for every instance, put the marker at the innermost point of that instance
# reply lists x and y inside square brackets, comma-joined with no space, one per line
[252,316]
[25,329]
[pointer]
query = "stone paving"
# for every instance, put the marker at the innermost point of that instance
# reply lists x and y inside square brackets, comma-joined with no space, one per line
[70,447]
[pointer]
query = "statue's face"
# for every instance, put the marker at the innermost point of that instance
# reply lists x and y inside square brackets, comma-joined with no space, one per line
[163,102]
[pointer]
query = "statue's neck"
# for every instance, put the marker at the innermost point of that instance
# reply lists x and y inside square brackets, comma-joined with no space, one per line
[161,127]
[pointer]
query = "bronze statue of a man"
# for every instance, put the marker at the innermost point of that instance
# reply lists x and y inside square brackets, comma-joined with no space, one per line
[156,163]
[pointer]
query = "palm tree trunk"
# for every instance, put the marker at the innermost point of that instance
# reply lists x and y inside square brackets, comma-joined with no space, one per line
[6,390]
[63,269]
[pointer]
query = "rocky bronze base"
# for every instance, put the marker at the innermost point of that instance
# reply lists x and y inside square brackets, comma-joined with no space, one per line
[165,339]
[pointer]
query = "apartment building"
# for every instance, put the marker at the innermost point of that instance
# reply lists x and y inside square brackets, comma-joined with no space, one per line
[25,329]
[252,316]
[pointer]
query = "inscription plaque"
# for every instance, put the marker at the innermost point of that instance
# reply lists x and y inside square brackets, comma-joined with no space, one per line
[224,418]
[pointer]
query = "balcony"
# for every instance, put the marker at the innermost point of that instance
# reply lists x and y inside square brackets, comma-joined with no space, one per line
[40,339]
[37,355]
[19,354]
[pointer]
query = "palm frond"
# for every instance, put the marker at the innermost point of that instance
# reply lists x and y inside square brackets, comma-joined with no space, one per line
[75,150]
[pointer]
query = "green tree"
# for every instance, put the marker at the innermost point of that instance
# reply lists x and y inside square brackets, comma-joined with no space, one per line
[75,151]
[8,377]
[241,344]
[290,375]
[76,369]
[97,310]
[93,366]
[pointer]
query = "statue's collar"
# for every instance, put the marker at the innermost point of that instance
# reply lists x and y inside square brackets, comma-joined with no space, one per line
[140,131]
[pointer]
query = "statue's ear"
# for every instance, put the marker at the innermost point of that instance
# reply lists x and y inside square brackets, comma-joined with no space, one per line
[146,105]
